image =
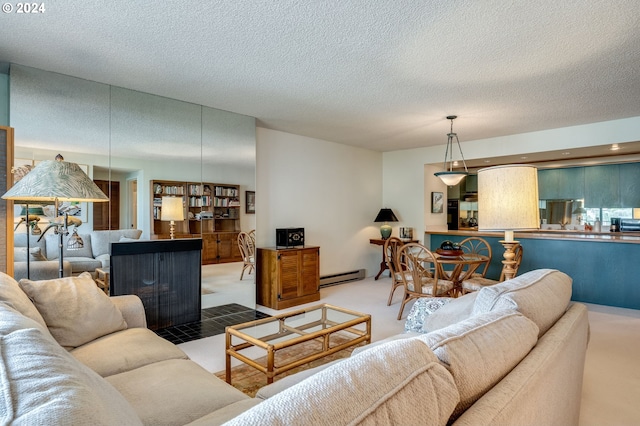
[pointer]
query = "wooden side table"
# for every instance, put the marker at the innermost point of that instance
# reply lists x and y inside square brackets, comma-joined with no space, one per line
[102,279]
[383,264]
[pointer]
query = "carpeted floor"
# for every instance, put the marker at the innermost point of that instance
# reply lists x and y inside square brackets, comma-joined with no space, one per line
[249,380]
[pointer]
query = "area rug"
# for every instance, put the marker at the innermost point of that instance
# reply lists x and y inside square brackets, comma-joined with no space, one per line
[249,380]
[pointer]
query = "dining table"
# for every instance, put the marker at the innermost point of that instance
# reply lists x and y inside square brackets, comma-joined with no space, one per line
[458,268]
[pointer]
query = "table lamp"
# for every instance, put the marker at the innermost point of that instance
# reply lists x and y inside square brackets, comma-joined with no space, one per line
[508,201]
[172,210]
[385,215]
[56,181]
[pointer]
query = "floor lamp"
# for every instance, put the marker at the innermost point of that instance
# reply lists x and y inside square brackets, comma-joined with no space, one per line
[508,201]
[56,181]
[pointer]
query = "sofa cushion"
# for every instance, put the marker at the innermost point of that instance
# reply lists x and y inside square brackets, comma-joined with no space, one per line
[12,294]
[75,310]
[458,310]
[480,351]
[227,413]
[542,296]
[174,392]
[126,350]
[42,384]
[83,264]
[53,249]
[400,382]
[20,254]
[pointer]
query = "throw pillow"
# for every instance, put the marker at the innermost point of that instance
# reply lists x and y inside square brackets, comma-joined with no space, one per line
[542,296]
[74,308]
[20,254]
[480,351]
[126,239]
[421,309]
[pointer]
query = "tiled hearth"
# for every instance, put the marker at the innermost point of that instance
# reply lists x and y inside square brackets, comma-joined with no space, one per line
[213,321]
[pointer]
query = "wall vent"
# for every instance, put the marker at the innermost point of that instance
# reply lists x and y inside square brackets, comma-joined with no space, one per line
[341,278]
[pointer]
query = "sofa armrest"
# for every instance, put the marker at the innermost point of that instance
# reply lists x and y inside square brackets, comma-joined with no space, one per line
[132,310]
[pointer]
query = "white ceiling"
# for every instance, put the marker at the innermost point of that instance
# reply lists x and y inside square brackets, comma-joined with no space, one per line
[381,74]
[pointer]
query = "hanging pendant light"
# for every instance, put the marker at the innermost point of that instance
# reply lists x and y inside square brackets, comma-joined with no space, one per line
[450,177]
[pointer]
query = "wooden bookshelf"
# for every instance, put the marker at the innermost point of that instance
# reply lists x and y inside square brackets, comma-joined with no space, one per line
[211,211]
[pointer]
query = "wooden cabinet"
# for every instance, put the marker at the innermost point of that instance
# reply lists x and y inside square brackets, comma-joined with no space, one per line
[220,247]
[287,277]
[211,211]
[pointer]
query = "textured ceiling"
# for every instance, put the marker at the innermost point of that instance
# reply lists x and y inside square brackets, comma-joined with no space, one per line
[381,74]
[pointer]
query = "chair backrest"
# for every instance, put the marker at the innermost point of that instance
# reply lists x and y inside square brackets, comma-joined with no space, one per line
[518,258]
[246,245]
[477,245]
[391,247]
[416,262]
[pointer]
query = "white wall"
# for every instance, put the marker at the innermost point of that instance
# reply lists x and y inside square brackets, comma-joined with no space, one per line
[334,191]
[408,175]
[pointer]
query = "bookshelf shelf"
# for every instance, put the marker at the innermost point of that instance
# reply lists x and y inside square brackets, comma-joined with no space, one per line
[211,211]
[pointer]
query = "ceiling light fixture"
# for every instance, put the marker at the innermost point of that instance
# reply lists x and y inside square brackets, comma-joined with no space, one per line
[614,147]
[449,177]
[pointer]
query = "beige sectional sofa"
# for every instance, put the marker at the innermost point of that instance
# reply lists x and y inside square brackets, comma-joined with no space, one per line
[511,355]
[44,263]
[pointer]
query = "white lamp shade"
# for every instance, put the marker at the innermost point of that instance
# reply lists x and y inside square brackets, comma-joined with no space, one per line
[451,178]
[56,180]
[172,209]
[508,198]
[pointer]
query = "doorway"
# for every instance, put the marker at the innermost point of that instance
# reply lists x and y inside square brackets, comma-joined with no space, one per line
[106,216]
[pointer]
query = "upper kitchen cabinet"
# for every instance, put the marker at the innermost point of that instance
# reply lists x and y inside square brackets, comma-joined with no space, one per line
[561,184]
[471,183]
[629,175]
[601,186]
[468,184]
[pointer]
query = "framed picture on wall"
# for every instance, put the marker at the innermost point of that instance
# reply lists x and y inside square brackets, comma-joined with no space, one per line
[437,202]
[250,202]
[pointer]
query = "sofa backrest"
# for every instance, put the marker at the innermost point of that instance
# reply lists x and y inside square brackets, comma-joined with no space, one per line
[20,240]
[101,240]
[542,296]
[399,382]
[481,350]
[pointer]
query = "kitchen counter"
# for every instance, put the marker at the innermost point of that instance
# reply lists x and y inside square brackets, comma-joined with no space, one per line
[604,266]
[552,234]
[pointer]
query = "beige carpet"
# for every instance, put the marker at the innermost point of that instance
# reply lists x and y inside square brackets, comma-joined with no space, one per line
[249,380]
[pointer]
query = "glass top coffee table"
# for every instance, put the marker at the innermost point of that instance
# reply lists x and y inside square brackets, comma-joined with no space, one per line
[329,329]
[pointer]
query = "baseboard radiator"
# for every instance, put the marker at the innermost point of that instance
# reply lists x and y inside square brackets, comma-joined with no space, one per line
[341,278]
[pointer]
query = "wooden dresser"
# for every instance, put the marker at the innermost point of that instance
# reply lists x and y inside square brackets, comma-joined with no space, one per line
[287,277]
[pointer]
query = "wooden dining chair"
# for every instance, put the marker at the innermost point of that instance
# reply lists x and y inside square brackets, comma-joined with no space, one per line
[475,245]
[480,246]
[391,247]
[419,274]
[247,246]
[479,282]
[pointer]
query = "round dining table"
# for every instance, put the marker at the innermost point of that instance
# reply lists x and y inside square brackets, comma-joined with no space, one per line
[459,268]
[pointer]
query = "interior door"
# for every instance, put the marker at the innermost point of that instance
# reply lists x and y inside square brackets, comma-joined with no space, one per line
[107,215]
